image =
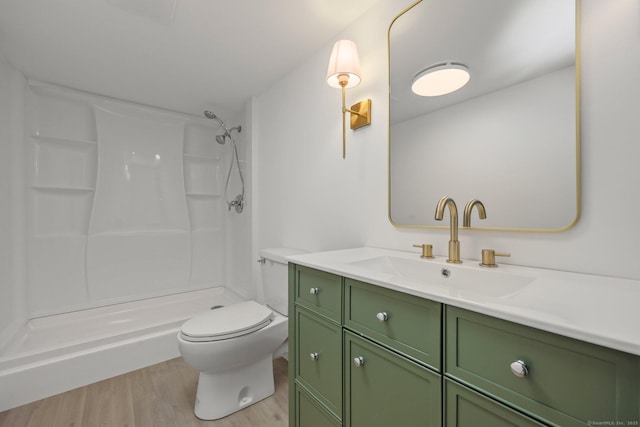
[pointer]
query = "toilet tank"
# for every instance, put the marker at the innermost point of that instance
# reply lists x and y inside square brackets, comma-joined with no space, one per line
[275,277]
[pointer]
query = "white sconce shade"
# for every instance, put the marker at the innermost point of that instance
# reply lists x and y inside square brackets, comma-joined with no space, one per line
[440,79]
[344,60]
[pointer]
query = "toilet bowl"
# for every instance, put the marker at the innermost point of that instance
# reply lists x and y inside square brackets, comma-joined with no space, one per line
[233,347]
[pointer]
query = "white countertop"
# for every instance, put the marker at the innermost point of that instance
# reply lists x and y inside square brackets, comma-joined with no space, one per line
[597,309]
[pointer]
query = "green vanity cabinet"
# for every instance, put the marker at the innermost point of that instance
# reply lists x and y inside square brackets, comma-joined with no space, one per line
[383,388]
[362,355]
[567,382]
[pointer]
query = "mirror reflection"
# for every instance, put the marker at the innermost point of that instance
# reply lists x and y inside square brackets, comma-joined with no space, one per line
[507,137]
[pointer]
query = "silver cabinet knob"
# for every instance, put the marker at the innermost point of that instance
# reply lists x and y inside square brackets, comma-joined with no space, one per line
[519,369]
[314,291]
[382,316]
[358,361]
[314,356]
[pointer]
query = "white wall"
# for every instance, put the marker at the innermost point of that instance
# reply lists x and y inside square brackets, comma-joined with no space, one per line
[309,198]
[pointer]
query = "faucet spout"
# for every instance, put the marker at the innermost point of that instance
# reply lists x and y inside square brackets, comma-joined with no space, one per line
[454,244]
[482,213]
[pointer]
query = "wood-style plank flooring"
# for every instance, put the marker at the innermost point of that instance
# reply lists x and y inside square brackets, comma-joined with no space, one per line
[156,396]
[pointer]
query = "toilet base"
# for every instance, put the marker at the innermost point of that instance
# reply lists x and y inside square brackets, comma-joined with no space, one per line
[223,393]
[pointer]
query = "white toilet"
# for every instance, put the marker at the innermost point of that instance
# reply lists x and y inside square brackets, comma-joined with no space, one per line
[233,346]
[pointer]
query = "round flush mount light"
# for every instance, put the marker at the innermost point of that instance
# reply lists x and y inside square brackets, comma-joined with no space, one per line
[440,79]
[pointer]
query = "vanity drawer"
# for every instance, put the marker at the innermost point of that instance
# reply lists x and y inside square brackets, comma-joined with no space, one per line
[319,291]
[466,408]
[569,382]
[411,327]
[310,413]
[318,359]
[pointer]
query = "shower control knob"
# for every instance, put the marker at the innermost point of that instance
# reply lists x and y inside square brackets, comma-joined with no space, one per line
[358,361]
[314,356]
[382,316]
[314,291]
[519,369]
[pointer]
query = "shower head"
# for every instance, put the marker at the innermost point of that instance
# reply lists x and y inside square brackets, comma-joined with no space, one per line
[210,115]
[221,139]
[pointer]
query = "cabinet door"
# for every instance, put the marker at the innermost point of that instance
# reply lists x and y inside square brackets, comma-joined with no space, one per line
[466,408]
[388,389]
[318,358]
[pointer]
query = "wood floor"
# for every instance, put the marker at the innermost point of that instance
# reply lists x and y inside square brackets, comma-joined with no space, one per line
[157,396]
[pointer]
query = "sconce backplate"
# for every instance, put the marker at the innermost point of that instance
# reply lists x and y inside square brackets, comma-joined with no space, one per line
[363,118]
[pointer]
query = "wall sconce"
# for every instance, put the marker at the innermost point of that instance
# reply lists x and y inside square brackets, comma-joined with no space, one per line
[344,72]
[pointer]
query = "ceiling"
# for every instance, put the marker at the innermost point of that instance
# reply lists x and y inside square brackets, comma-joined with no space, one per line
[182,55]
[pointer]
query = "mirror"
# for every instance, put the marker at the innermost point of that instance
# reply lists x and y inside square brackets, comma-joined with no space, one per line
[510,136]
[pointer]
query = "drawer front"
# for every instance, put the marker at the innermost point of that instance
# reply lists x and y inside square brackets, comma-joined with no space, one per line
[311,413]
[388,389]
[412,326]
[466,408]
[319,359]
[569,382]
[319,291]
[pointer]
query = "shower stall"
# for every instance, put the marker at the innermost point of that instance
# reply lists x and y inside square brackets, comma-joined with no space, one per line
[119,229]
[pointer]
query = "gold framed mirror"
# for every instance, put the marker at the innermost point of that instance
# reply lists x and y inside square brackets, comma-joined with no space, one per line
[511,136]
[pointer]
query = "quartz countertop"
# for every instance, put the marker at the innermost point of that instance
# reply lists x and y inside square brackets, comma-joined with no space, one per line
[597,309]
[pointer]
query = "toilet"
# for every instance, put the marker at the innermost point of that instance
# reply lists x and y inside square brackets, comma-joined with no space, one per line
[233,347]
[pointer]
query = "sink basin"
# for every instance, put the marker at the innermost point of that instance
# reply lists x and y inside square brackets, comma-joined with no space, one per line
[458,280]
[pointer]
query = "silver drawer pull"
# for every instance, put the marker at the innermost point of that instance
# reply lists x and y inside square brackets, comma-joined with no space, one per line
[314,356]
[314,291]
[358,361]
[519,369]
[382,316]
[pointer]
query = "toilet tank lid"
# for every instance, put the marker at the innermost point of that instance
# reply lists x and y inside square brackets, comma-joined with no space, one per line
[280,254]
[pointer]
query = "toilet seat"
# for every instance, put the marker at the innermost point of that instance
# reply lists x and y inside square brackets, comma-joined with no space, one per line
[227,322]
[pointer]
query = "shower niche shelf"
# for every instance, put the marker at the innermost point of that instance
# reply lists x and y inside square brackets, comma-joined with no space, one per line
[62,189]
[203,195]
[201,158]
[54,140]
[63,163]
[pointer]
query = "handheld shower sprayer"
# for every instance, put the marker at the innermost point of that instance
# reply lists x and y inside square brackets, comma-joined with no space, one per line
[238,202]
[222,138]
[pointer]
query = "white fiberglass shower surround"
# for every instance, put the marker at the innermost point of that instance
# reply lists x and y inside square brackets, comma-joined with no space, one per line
[127,236]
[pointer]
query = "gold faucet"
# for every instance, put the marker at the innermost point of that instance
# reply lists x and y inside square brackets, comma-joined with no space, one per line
[454,244]
[482,213]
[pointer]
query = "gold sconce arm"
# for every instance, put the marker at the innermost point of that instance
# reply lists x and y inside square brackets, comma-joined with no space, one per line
[360,115]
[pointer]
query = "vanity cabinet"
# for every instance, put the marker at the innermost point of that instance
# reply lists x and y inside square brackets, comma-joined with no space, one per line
[366,356]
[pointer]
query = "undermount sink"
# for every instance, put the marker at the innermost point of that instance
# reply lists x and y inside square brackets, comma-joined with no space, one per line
[457,279]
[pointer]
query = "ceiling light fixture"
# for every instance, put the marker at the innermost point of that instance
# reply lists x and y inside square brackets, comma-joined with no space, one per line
[440,79]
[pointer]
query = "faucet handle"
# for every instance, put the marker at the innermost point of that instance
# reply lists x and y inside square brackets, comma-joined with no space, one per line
[489,257]
[427,250]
